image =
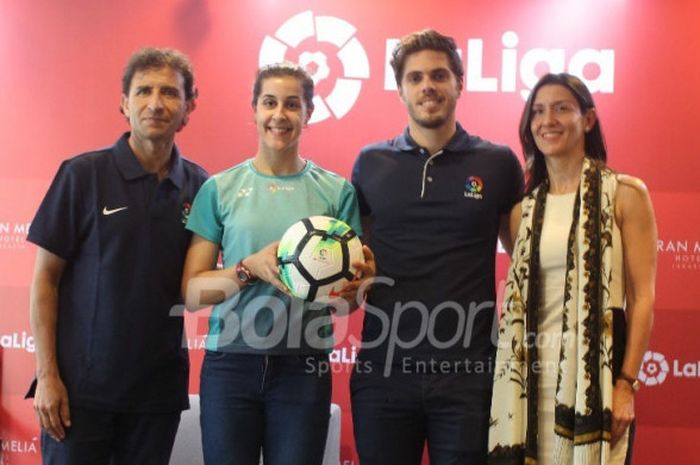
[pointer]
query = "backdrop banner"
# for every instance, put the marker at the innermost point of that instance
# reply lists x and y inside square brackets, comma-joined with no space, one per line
[61,70]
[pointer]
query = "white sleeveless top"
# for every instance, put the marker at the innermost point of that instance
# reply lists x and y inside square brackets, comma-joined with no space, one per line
[556,225]
[555,234]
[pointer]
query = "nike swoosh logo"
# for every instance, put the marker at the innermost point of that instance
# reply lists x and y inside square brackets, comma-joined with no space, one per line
[107,212]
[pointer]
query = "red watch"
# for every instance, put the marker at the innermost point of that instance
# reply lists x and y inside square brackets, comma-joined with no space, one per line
[244,275]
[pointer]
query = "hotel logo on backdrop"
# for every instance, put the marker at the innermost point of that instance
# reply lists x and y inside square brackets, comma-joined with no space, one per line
[684,254]
[15,447]
[13,235]
[305,39]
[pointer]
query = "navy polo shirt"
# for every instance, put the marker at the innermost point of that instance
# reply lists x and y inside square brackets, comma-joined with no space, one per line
[434,232]
[122,234]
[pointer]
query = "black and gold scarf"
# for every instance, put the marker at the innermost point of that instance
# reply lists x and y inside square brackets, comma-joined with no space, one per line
[583,399]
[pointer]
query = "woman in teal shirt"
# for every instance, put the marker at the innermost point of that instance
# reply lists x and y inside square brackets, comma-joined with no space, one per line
[263,385]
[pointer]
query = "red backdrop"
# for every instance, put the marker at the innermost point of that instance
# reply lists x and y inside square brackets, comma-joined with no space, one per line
[61,67]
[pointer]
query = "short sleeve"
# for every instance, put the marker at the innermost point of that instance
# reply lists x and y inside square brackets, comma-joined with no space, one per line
[348,209]
[516,180]
[62,214]
[204,219]
[357,184]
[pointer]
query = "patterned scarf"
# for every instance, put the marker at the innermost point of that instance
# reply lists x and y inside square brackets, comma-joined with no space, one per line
[583,398]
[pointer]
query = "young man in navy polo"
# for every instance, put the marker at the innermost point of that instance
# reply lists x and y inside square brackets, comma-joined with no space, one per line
[434,200]
[112,371]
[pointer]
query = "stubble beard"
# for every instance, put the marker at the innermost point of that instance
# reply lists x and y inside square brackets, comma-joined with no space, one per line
[433,121]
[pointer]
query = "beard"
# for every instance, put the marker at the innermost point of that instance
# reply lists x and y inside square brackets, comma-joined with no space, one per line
[434,120]
[431,122]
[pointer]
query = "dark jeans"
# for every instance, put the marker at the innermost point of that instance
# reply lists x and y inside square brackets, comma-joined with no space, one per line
[394,416]
[102,438]
[278,403]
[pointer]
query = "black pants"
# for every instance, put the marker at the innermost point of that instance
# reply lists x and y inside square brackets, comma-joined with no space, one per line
[394,416]
[107,438]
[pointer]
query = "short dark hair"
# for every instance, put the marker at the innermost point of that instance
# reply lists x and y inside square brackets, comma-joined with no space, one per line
[427,39]
[155,58]
[281,69]
[594,145]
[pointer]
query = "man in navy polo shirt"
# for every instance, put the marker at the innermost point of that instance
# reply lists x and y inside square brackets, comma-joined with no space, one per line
[434,200]
[112,371]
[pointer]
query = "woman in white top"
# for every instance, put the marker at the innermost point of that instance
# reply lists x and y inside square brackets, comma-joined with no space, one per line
[578,305]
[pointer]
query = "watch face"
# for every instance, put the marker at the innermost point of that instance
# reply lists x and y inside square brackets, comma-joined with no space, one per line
[243,276]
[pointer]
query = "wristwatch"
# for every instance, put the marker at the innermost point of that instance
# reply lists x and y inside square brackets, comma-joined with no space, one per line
[631,380]
[244,275]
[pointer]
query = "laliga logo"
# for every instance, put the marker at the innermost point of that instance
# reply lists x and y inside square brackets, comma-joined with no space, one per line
[324,29]
[473,187]
[518,72]
[654,369]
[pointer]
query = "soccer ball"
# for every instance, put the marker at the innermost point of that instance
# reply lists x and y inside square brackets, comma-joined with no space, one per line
[315,256]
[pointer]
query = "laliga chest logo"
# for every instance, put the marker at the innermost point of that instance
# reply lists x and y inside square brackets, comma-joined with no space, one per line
[186,209]
[326,47]
[474,187]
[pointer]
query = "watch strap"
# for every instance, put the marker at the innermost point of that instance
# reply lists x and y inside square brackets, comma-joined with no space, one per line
[631,380]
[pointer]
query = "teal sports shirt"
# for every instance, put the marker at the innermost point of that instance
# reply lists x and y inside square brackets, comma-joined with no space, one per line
[243,210]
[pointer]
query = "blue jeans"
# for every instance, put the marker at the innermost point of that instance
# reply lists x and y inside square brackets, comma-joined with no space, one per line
[279,404]
[107,438]
[394,416]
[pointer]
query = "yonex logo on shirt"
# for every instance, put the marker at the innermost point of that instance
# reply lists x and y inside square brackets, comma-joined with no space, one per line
[244,192]
[273,188]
